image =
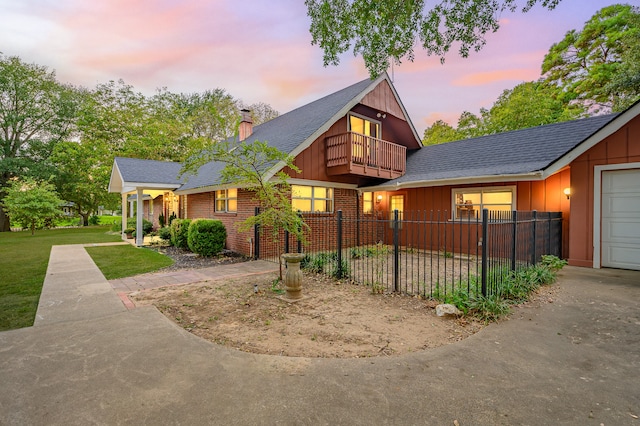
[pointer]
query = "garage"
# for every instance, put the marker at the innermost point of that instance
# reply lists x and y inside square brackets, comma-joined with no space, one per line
[620,243]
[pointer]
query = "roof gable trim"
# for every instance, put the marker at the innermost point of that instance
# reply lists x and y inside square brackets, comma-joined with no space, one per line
[604,132]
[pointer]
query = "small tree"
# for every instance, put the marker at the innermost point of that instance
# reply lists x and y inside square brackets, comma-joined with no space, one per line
[250,165]
[32,203]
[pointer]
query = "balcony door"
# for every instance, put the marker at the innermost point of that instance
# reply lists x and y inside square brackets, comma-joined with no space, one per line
[365,148]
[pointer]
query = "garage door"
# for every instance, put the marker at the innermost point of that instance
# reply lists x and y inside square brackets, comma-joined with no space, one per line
[621,219]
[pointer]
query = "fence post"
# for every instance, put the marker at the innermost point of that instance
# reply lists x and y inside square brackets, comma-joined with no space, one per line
[396,252]
[534,227]
[286,241]
[549,234]
[485,249]
[514,251]
[339,237]
[299,240]
[256,237]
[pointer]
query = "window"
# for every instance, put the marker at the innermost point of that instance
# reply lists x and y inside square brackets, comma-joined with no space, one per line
[364,126]
[396,202]
[226,200]
[312,198]
[470,202]
[367,202]
[364,149]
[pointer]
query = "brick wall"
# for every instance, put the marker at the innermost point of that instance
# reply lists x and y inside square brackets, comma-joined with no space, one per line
[203,206]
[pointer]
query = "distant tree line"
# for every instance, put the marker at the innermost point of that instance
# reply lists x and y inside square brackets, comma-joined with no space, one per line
[592,71]
[68,136]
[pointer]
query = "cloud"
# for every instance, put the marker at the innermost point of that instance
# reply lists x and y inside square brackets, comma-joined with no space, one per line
[483,78]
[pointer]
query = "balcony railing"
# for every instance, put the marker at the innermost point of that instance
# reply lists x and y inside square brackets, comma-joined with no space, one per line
[355,153]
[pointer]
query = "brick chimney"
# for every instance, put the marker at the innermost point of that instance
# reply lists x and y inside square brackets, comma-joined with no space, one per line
[246,125]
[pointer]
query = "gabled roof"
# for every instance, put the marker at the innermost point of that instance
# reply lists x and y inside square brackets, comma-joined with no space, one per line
[290,133]
[516,155]
[296,130]
[129,173]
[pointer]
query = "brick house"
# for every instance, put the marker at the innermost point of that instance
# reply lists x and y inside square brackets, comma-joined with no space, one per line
[359,152]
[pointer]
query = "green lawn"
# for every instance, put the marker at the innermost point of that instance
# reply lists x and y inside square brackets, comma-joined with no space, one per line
[24,259]
[125,261]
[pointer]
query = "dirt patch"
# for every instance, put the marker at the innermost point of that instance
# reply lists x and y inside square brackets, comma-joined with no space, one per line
[333,320]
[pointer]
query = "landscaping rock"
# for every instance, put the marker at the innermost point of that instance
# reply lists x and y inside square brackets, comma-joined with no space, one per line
[447,309]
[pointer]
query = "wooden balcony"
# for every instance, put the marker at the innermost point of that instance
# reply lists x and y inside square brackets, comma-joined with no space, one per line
[357,154]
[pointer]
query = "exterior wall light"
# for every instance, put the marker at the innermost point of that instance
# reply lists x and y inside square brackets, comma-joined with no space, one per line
[378,199]
[567,192]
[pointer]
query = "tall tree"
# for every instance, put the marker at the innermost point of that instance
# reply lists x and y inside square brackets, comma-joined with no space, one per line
[626,83]
[36,112]
[385,30]
[439,132]
[261,112]
[82,176]
[585,61]
[529,104]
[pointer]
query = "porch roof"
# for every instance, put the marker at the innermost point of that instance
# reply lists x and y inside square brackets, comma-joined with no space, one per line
[128,174]
[514,155]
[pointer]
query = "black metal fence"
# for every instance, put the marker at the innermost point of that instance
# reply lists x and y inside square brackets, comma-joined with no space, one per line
[425,252]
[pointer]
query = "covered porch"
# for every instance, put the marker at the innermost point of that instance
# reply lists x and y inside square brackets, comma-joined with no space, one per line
[144,179]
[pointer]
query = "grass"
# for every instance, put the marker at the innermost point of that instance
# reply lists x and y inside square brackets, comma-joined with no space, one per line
[24,259]
[125,261]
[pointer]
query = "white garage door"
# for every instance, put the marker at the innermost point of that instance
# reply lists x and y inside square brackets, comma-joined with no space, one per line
[621,219]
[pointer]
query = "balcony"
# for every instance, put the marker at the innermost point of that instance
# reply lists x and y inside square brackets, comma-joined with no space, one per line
[357,154]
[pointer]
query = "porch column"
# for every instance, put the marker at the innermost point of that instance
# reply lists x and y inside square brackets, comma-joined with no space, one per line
[139,211]
[124,215]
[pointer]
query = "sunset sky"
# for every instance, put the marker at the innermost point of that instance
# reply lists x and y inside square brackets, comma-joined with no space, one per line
[260,51]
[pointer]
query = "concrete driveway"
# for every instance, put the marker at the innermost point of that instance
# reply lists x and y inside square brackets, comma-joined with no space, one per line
[89,360]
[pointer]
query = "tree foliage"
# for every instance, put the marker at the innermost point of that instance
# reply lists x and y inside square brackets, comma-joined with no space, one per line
[36,112]
[32,204]
[82,175]
[528,104]
[248,165]
[586,62]
[385,30]
[590,71]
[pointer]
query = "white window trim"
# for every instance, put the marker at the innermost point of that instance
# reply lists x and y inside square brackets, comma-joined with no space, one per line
[313,198]
[226,201]
[364,117]
[483,189]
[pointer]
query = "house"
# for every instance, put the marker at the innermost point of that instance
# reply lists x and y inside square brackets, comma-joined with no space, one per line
[358,151]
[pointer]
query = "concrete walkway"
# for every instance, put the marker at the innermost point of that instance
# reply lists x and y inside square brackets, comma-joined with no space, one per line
[574,361]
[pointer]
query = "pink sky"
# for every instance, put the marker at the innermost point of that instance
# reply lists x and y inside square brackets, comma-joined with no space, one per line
[260,51]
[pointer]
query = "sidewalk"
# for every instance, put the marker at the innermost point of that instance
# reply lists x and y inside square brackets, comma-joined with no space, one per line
[90,361]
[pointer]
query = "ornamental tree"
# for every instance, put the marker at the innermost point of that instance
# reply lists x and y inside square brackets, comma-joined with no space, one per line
[31,203]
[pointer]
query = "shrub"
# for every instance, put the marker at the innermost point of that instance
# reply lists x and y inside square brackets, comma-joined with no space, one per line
[554,263]
[180,233]
[165,233]
[161,221]
[116,226]
[94,220]
[146,225]
[206,237]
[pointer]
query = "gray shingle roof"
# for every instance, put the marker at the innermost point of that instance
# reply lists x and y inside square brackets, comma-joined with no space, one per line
[516,152]
[286,132]
[148,171]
